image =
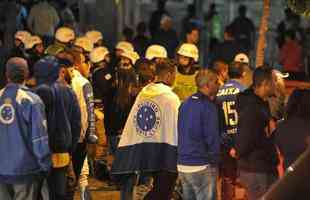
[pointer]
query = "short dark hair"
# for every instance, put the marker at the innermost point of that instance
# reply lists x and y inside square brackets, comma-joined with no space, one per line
[190,27]
[229,30]
[144,70]
[191,9]
[219,66]
[261,74]
[242,10]
[128,33]
[141,28]
[17,70]
[165,66]
[236,69]
[291,34]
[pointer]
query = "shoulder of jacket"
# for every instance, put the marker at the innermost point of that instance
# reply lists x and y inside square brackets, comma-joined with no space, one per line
[23,95]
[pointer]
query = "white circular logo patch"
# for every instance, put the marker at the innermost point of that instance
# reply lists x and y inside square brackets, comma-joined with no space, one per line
[7,113]
[147,118]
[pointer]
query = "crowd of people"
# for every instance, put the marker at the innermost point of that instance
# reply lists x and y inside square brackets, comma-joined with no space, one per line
[173,127]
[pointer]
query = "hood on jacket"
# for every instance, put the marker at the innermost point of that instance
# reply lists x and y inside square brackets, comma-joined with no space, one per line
[154,89]
[46,70]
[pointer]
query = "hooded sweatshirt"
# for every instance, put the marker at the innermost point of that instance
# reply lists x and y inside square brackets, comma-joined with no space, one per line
[149,139]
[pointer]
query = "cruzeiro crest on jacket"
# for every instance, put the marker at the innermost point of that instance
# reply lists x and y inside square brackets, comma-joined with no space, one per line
[147,118]
[7,112]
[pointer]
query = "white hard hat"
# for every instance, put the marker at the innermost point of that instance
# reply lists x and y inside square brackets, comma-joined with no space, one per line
[189,50]
[94,36]
[98,54]
[241,57]
[124,46]
[84,43]
[132,55]
[155,51]
[23,36]
[32,41]
[64,34]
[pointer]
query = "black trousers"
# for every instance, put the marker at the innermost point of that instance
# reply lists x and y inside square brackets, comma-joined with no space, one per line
[78,158]
[228,173]
[57,183]
[163,186]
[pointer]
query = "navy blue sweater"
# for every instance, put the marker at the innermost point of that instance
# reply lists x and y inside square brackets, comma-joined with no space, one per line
[198,132]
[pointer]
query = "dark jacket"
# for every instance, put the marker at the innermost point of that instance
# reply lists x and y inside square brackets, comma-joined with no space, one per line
[292,136]
[123,99]
[63,116]
[198,131]
[102,81]
[256,151]
[141,43]
[167,39]
[226,51]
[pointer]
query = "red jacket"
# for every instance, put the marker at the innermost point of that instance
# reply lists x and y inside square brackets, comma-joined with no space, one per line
[291,56]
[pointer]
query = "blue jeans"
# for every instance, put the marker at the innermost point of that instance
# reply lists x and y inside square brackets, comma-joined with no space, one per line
[256,184]
[200,185]
[22,191]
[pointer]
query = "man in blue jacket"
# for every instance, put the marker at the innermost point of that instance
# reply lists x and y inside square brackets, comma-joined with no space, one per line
[24,149]
[199,139]
[63,120]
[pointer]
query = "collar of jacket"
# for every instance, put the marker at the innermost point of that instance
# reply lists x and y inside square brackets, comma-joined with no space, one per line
[200,95]
[16,85]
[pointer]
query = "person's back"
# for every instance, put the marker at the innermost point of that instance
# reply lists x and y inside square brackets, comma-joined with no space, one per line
[166,36]
[63,120]
[16,100]
[10,12]
[43,19]
[167,39]
[228,49]
[291,55]
[24,143]
[292,134]
[226,100]
[156,16]
[244,29]
[151,129]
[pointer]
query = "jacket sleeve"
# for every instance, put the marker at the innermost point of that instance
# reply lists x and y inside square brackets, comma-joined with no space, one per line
[248,119]
[75,121]
[101,83]
[89,98]
[39,136]
[211,131]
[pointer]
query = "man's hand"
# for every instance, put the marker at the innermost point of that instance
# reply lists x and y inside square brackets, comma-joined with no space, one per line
[233,153]
[272,125]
